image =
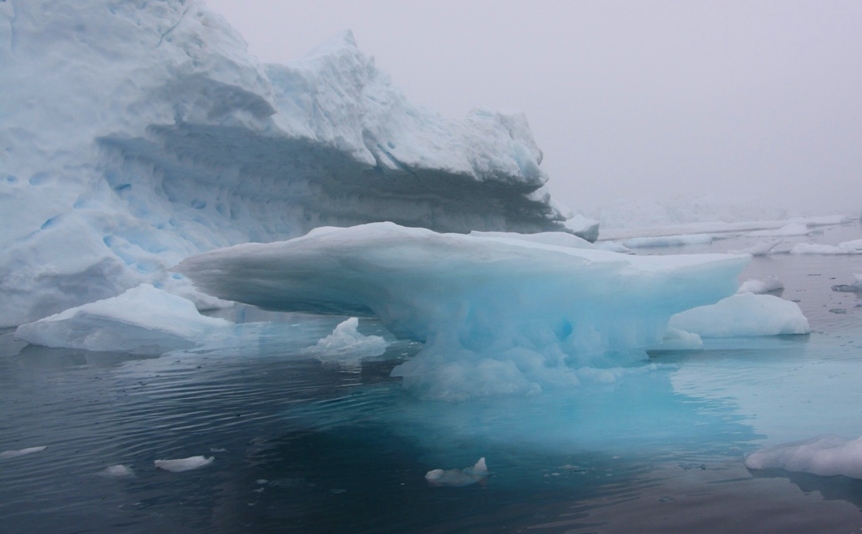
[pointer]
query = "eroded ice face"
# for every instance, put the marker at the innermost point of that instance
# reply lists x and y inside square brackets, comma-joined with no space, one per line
[498,314]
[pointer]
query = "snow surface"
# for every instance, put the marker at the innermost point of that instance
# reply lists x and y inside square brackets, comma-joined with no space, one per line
[823,455]
[142,320]
[498,315]
[458,477]
[135,134]
[743,314]
[183,464]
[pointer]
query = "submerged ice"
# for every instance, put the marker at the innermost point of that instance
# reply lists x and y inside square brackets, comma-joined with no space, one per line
[499,314]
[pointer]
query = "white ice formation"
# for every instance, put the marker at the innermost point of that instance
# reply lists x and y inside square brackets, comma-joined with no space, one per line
[345,344]
[788,230]
[21,452]
[743,314]
[143,320]
[847,247]
[498,314]
[458,477]
[135,134]
[824,456]
[769,284]
[183,464]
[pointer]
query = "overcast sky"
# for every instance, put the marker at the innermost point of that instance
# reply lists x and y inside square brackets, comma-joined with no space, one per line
[626,99]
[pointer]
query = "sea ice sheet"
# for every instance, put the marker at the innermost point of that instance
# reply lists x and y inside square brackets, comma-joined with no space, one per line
[497,314]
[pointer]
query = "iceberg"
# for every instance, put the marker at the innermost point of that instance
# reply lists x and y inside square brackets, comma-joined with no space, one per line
[497,314]
[136,134]
[143,320]
[743,315]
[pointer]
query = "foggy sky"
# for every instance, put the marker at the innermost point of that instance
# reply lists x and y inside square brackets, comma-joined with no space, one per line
[626,99]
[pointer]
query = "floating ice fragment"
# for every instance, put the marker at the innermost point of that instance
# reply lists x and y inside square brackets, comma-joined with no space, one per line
[183,464]
[345,343]
[143,320]
[850,288]
[22,452]
[759,249]
[668,241]
[792,229]
[767,285]
[824,455]
[847,247]
[117,471]
[744,314]
[676,339]
[458,477]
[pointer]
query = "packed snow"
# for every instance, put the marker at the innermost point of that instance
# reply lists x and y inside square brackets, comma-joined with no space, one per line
[135,134]
[141,320]
[741,315]
[824,456]
[183,464]
[458,477]
[498,315]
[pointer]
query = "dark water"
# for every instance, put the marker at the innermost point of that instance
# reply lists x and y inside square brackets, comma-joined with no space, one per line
[310,447]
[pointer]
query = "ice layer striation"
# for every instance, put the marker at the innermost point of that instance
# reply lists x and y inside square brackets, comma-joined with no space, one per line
[498,313]
[135,134]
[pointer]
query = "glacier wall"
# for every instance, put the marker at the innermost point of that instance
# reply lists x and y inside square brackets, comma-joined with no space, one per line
[134,134]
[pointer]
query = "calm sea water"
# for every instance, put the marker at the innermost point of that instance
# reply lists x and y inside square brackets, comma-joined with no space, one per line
[311,447]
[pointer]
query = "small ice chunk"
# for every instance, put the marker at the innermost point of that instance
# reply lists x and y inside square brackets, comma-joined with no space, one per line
[346,343]
[183,464]
[676,339]
[759,249]
[22,452]
[117,471]
[767,285]
[850,288]
[143,320]
[458,477]
[823,455]
[668,241]
[744,314]
[788,230]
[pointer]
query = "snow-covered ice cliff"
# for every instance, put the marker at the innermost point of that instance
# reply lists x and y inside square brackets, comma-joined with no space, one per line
[135,134]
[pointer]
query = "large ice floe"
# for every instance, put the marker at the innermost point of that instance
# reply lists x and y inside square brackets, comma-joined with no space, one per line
[135,134]
[498,313]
